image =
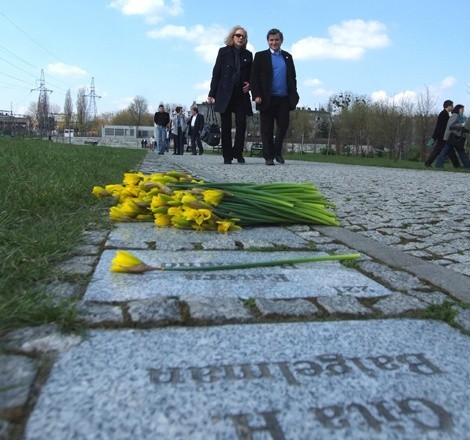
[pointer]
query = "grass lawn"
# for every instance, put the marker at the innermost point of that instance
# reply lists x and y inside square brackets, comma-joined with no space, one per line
[45,205]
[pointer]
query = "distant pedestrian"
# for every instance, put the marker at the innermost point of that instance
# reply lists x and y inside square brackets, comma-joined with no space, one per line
[274,89]
[161,119]
[229,91]
[195,126]
[142,143]
[178,128]
[438,136]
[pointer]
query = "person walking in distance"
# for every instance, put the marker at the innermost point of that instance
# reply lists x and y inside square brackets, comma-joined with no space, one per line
[161,119]
[195,126]
[438,136]
[178,128]
[273,85]
[229,91]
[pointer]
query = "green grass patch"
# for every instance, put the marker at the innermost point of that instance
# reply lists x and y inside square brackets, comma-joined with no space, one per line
[444,312]
[366,161]
[45,205]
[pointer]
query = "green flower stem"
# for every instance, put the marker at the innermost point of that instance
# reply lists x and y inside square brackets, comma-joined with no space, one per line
[262,263]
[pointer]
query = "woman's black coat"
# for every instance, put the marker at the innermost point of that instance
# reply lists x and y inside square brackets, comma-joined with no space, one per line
[222,78]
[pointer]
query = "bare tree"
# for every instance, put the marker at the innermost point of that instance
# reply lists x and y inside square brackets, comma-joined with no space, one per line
[424,120]
[82,110]
[138,110]
[68,109]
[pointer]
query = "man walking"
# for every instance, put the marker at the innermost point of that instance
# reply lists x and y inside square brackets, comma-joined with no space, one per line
[161,119]
[195,126]
[273,85]
[438,136]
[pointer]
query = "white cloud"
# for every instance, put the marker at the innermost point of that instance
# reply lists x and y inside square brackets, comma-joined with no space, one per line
[202,85]
[348,40]
[399,98]
[209,39]
[65,70]
[313,82]
[153,10]
[447,82]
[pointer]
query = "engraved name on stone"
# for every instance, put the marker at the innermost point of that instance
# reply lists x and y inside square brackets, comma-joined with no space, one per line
[297,372]
[401,414]
[404,415]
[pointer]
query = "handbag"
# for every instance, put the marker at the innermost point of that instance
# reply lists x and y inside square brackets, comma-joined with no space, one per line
[210,133]
[456,139]
[430,142]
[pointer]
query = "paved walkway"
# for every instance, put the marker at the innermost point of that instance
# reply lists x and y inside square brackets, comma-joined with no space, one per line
[232,355]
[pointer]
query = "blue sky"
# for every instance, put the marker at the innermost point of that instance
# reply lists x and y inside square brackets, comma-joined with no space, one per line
[164,50]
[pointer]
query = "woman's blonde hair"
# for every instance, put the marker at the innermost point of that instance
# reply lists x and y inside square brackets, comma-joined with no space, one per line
[229,38]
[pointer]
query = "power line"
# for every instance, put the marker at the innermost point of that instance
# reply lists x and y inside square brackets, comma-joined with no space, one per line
[31,38]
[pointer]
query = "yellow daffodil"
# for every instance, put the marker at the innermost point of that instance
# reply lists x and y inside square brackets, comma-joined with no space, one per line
[125,262]
[100,192]
[226,225]
[130,208]
[162,220]
[132,178]
[213,196]
[175,211]
[116,214]
[188,198]
[157,202]
[198,215]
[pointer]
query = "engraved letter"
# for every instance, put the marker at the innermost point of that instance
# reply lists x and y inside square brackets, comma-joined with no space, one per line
[205,374]
[368,417]
[284,367]
[442,419]
[384,362]
[246,371]
[172,375]
[245,431]
[311,369]
[327,415]
[335,364]
[419,364]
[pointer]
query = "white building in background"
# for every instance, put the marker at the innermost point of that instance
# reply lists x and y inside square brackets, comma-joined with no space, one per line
[127,131]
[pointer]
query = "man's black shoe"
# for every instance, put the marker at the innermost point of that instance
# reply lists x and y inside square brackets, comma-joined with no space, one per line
[241,160]
[227,162]
[279,159]
[269,162]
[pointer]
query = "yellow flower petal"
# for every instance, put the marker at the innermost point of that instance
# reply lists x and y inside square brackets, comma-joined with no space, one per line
[213,196]
[128,263]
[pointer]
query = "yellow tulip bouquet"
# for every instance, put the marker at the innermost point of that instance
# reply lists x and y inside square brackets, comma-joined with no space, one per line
[177,199]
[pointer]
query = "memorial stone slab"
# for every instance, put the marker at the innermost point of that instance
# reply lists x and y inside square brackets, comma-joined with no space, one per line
[288,281]
[382,379]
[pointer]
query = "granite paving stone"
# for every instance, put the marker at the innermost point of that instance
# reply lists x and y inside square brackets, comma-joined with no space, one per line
[217,309]
[154,310]
[398,303]
[293,308]
[463,318]
[96,313]
[381,379]
[288,281]
[17,374]
[343,305]
[41,339]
